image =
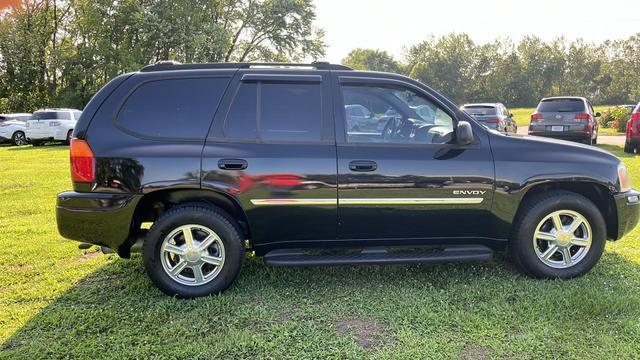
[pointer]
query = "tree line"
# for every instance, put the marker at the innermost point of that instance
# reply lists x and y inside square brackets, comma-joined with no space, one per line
[517,74]
[60,52]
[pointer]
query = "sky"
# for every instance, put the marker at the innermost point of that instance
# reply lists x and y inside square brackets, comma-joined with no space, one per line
[393,24]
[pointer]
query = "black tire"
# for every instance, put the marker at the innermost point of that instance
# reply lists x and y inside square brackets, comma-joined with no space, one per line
[211,217]
[535,209]
[595,141]
[68,139]
[628,148]
[18,138]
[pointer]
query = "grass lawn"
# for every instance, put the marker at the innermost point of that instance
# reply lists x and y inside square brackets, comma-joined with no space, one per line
[522,116]
[59,302]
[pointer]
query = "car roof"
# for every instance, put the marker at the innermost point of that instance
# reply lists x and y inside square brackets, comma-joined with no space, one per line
[173,65]
[564,98]
[481,104]
[56,109]
[16,114]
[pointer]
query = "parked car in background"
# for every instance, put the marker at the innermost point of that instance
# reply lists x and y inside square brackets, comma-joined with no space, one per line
[51,125]
[493,115]
[272,168]
[359,118]
[12,128]
[629,108]
[632,142]
[565,117]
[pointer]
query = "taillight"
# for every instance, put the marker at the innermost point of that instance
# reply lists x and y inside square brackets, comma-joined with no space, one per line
[634,121]
[536,116]
[82,161]
[492,120]
[583,116]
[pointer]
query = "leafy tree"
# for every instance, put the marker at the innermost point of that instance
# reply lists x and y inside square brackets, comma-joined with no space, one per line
[371,59]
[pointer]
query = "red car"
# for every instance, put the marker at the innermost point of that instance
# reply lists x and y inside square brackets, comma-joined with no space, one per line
[633,132]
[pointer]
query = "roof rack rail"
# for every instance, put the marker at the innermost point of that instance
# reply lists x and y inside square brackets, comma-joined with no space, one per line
[174,65]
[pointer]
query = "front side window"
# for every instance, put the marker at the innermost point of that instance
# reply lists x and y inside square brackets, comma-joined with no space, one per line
[395,116]
[273,111]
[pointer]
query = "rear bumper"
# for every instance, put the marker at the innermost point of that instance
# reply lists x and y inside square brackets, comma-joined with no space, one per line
[96,218]
[633,141]
[565,135]
[628,209]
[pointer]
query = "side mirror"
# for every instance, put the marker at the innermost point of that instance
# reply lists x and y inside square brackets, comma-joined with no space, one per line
[464,133]
[598,114]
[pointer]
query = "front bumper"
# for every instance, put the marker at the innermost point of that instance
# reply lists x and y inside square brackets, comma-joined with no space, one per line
[96,218]
[628,210]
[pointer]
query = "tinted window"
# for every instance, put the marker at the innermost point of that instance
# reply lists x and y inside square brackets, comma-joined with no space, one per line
[561,105]
[241,119]
[51,115]
[398,116]
[287,112]
[290,112]
[173,108]
[481,110]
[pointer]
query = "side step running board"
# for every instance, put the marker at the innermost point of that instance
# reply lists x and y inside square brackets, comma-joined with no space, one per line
[373,256]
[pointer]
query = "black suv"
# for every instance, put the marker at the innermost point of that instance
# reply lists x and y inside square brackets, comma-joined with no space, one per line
[197,164]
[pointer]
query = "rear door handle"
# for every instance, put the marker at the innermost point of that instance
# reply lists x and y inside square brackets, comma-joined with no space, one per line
[363,165]
[233,164]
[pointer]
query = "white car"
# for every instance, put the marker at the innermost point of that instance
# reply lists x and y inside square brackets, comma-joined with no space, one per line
[12,128]
[52,125]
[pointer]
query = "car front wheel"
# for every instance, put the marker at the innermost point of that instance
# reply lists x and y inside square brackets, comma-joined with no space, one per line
[558,234]
[193,250]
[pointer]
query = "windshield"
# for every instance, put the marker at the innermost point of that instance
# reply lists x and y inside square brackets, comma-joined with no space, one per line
[562,105]
[481,110]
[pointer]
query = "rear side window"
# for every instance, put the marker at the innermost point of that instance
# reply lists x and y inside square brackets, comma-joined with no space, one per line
[562,105]
[274,111]
[51,115]
[172,108]
[481,110]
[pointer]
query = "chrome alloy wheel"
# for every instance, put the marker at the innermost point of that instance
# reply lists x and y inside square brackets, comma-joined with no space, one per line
[562,239]
[192,255]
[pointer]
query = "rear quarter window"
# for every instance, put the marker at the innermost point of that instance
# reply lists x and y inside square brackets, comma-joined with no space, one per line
[172,108]
[562,105]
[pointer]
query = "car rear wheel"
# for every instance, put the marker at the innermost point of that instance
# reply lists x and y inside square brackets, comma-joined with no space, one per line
[628,148]
[558,234]
[18,138]
[193,250]
[68,139]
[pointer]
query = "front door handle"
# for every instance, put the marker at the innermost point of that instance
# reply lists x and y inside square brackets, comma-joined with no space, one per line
[233,164]
[363,165]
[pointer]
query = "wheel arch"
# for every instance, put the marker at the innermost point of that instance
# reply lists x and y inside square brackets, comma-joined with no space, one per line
[598,193]
[152,205]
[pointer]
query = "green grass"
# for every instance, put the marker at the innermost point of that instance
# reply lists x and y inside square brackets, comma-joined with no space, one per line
[522,116]
[59,302]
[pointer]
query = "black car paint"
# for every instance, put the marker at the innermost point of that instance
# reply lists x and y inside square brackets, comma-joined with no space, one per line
[131,169]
